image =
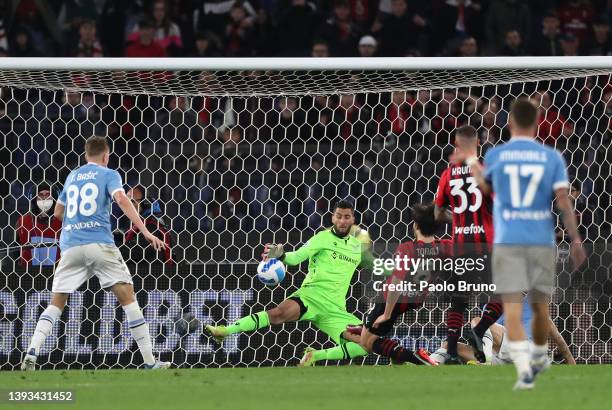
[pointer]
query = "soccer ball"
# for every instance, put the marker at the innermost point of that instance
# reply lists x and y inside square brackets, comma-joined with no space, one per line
[271,272]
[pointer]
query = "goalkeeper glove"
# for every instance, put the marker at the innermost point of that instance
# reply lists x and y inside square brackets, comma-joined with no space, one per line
[273,251]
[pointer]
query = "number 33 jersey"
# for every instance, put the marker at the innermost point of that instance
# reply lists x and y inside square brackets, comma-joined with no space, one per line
[87,198]
[471,208]
[524,175]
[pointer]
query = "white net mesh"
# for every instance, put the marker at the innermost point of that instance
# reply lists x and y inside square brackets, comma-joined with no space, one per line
[231,160]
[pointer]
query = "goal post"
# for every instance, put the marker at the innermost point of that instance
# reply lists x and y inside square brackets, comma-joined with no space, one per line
[234,153]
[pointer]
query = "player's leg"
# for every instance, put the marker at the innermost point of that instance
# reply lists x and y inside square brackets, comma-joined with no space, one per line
[454,324]
[112,272]
[347,347]
[518,345]
[334,322]
[490,314]
[69,275]
[289,310]
[374,339]
[540,330]
[45,324]
[137,324]
[465,352]
[511,278]
[542,269]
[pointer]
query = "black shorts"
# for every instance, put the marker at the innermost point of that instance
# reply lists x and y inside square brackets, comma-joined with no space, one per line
[386,327]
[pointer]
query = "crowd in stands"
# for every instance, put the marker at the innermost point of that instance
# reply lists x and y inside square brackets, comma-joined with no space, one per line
[321,28]
[229,170]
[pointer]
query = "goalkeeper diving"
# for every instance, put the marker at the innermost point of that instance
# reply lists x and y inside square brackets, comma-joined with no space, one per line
[333,255]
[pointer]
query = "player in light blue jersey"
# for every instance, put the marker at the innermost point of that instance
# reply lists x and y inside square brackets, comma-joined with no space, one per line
[88,249]
[525,176]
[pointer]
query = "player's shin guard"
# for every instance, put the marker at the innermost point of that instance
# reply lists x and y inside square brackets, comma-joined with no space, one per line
[454,323]
[349,350]
[44,327]
[140,332]
[392,349]
[250,323]
[492,312]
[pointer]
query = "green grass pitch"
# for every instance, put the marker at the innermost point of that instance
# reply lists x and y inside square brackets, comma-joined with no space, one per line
[319,388]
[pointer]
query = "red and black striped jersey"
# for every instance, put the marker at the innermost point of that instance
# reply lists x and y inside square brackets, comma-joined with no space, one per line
[472,209]
[409,251]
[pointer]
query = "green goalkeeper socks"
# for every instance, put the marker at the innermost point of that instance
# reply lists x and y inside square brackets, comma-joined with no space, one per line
[250,323]
[348,350]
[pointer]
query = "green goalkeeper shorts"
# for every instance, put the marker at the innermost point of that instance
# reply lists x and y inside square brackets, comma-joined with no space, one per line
[326,316]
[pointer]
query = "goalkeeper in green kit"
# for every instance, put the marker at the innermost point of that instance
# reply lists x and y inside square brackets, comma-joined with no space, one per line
[333,256]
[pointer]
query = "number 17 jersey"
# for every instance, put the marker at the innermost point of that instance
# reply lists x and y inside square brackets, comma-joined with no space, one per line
[87,197]
[524,175]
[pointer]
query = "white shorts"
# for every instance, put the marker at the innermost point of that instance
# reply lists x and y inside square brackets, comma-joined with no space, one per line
[503,356]
[80,263]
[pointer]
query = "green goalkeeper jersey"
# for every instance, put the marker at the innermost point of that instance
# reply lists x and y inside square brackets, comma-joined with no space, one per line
[332,261]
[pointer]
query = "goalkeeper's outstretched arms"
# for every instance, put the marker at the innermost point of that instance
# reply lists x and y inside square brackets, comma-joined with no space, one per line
[277,251]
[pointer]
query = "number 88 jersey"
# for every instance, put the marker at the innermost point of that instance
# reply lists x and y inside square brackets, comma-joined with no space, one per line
[471,208]
[87,197]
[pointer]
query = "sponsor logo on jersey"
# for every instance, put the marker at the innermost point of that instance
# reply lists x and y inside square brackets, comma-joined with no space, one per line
[82,225]
[467,230]
[336,255]
[526,214]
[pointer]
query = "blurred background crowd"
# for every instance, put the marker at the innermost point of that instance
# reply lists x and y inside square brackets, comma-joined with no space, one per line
[218,176]
[321,28]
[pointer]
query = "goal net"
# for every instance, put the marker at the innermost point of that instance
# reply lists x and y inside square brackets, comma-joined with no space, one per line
[225,155]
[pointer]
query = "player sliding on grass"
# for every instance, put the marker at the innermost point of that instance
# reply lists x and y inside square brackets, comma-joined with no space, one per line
[381,317]
[496,349]
[333,256]
[88,248]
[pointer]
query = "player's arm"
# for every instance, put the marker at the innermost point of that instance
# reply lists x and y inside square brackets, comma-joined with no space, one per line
[560,342]
[392,298]
[128,209]
[58,211]
[479,174]
[441,213]
[564,205]
[277,251]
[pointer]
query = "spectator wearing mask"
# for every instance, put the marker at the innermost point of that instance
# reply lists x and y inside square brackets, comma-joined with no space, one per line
[135,248]
[145,44]
[39,226]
